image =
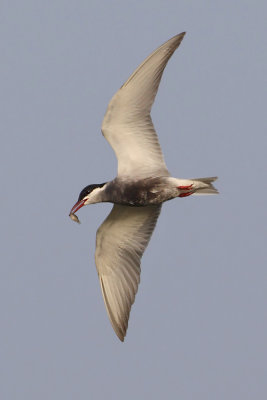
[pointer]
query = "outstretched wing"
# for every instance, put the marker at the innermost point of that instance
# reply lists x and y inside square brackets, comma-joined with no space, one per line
[120,243]
[127,124]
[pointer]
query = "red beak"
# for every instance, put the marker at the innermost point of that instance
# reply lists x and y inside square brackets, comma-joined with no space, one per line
[77,206]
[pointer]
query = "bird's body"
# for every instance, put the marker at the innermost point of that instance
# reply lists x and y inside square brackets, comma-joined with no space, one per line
[143,183]
[148,191]
[140,193]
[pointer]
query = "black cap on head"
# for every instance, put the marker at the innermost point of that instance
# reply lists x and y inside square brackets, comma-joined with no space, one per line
[88,189]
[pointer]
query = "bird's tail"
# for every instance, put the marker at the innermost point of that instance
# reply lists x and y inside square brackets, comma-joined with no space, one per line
[204,185]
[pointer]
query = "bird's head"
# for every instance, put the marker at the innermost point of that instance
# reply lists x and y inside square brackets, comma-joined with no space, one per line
[89,195]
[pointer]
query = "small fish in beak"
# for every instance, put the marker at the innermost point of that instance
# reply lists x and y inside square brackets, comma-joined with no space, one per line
[74,209]
[74,218]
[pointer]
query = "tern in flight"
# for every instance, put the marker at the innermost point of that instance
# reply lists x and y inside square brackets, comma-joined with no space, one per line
[142,184]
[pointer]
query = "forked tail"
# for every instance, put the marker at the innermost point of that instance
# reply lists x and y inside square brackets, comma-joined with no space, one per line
[204,185]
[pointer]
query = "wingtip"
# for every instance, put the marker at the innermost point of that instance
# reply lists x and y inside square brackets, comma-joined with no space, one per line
[121,333]
[181,35]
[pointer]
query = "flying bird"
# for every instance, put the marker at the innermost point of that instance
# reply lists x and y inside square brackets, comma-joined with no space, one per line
[142,184]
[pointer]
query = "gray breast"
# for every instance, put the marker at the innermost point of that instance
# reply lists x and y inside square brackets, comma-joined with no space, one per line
[137,193]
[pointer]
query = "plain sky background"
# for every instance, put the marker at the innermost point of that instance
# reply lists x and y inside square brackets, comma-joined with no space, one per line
[198,328]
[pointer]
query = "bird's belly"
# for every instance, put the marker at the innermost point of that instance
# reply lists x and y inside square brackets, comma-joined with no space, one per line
[141,193]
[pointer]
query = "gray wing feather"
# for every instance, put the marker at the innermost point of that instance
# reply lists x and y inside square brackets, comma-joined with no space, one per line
[120,243]
[127,124]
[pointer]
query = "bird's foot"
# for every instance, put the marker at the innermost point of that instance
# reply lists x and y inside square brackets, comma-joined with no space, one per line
[188,187]
[184,188]
[185,194]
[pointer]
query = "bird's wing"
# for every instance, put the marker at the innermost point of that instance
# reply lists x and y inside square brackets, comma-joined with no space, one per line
[127,124]
[120,243]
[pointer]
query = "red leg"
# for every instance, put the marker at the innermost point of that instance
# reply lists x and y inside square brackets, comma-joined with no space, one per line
[185,194]
[188,191]
[185,187]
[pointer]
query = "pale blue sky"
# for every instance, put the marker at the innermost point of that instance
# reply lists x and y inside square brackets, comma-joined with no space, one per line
[198,327]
